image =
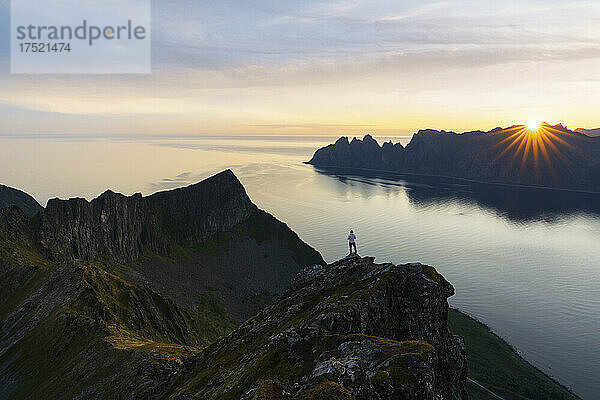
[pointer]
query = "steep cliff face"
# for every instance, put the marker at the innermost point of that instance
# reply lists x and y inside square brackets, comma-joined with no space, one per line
[119,228]
[207,239]
[113,227]
[355,329]
[106,298]
[553,156]
[14,197]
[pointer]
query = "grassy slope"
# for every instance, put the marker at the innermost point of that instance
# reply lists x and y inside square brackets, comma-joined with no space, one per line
[493,364]
[105,336]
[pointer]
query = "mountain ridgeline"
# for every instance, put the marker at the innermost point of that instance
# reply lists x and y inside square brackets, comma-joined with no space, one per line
[551,156]
[349,330]
[14,197]
[110,290]
[131,297]
[205,240]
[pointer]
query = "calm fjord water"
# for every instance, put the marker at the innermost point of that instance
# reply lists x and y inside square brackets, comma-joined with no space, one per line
[526,262]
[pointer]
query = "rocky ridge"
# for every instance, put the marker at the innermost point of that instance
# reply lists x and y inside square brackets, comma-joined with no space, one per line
[554,156]
[120,228]
[204,240]
[126,297]
[76,331]
[353,329]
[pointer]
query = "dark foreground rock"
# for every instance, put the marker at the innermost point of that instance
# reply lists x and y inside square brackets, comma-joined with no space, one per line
[552,156]
[350,330]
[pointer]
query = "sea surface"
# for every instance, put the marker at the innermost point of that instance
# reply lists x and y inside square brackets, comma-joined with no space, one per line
[526,262]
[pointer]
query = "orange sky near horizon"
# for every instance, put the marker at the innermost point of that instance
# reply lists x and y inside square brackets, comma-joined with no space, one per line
[343,67]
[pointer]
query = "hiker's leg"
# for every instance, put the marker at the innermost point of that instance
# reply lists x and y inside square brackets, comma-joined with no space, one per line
[350,244]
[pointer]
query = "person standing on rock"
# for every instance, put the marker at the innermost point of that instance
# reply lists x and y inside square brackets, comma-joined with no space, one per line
[352,242]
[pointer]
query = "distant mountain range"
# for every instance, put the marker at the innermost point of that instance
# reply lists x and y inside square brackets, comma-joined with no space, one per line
[551,156]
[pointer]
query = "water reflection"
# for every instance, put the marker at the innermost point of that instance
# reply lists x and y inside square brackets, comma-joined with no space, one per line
[515,203]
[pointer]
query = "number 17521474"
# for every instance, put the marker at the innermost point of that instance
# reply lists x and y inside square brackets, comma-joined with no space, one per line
[45,47]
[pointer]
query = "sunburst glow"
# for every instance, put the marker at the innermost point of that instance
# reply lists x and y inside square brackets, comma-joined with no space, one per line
[533,125]
[534,146]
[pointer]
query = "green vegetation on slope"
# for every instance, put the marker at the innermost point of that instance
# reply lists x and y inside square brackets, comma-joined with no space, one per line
[84,331]
[143,311]
[493,364]
[272,365]
[23,254]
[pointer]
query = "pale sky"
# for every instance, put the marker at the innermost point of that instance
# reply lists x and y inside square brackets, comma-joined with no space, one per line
[330,67]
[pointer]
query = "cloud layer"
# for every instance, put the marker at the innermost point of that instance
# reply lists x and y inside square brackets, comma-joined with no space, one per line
[304,67]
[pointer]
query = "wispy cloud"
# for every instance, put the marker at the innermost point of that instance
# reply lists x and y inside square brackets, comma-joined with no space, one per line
[311,65]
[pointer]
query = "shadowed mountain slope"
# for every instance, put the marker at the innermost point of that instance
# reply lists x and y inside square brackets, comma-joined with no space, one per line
[103,298]
[552,156]
[14,197]
[204,240]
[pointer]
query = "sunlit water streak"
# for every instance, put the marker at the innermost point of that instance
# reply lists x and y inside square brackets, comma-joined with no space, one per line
[530,269]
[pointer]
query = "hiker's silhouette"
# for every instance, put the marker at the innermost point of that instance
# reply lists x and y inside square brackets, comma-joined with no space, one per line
[352,242]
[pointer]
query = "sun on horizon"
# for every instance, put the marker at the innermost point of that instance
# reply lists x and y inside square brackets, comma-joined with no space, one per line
[533,125]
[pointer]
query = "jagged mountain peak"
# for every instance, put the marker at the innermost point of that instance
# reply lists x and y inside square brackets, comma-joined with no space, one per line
[548,155]
[182,242]
[118,227]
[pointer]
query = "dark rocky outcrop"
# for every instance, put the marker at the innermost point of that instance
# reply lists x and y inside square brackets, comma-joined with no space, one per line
[106,298]
[117,228]
[365,153]
[353,328]
[553,156]
[206,239]
[14,197]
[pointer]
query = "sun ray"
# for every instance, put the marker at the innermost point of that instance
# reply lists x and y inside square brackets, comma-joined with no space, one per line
[515,142]
[536,147]
[526,150]
[546,157]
